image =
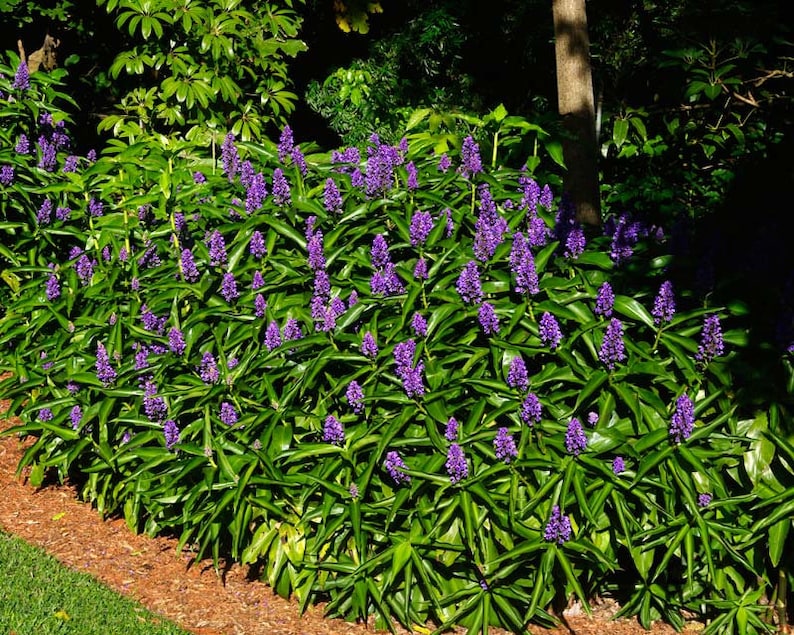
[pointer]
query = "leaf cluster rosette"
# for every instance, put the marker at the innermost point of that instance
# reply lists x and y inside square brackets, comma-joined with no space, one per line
[243,365]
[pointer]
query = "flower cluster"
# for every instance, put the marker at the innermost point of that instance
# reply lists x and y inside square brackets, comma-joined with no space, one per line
[488,319]
[575,439]
[456,465]
[395,466]
[505,446]
[470,161]
[517,376]
[683,419]
[451,429]
[531,411]
[664,304]
[558,529]
[613,350]
[489,228]
[549,330]
[355,397]
[468,284]
[410,374]
[711,342]
[384,280]
[522,264]
[170,434]
[605,300]
[333,432]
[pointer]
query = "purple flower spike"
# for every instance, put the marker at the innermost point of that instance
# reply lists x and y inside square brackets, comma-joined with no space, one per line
[456,465]
[23,145]
[517,376]
[420,269]
[558,529]
[217,248]
[575,439]
[396,467]
[368,346]
[468,284]
[605,300]
[21,77]
[75,416]
[292,330]
[230,158]
[286,143]
[53,288]
[413,182]
[574,243]
[522,264]
[355,397]
[412,380]
[176,341]
[104,371]
[190,272]
[332,199]
[333,432]
[7,175]
[171,434]
[257,245]
[550,333]
[618,465]
[664,304]
[260,305]
[451,430]
[419,325]
[228,414]
[711,343]
[489,321]
[44,215]
[281,190]
[683,420]
[421,226]
[229,287]
[379,252]
[613,350]
[531,410]
[208,370]
[471,163]
[272,336]
[505,446]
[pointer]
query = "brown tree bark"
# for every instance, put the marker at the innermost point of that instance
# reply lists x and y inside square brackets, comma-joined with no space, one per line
[577,108]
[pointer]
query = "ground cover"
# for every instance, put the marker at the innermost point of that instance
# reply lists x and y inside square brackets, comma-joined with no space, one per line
[399,380]
[151,572]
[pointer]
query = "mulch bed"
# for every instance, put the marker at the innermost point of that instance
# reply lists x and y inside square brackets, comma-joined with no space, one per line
[150,571]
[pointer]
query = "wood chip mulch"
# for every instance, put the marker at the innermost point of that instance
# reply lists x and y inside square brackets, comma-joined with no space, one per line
[193,595]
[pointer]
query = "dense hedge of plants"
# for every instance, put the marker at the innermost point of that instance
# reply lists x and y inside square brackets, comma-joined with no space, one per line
[406,384]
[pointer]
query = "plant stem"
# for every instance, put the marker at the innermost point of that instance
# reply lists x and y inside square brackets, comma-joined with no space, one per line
[781,604]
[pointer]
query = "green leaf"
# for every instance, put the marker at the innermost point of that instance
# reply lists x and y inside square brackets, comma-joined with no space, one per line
[620,132]
[632,309]
[777,540]
[554,148]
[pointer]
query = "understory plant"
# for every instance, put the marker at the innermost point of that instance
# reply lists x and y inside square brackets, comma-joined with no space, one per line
[403,383]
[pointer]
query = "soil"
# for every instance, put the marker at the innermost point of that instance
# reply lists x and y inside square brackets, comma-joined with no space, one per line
[191,594]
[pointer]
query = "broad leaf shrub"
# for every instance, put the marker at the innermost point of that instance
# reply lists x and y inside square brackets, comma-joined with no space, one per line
[193,66]
[397,382]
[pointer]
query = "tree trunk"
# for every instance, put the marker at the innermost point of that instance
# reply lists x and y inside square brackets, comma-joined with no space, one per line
[577,109]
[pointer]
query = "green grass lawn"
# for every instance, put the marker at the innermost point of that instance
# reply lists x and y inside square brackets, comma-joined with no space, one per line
[40,596]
